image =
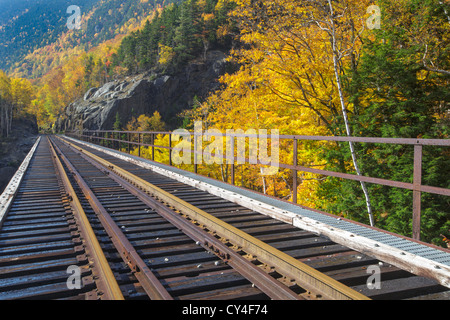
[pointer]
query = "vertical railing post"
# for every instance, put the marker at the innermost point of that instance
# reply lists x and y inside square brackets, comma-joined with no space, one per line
[152,141]
[139,144]
[417,182]
[195,154]
[170,149]
[232,160]
[113,143]
[128,139]
[294,171]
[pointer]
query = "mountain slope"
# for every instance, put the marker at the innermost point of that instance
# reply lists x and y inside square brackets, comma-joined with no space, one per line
[30,24]
[34,33]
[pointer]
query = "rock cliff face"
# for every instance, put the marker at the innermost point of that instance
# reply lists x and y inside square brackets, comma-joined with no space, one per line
[145,94]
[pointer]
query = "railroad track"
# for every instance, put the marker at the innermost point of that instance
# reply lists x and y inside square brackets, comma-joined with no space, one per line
[86,225]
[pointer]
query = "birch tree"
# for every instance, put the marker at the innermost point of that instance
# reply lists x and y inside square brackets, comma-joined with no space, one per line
[335,19]
[293,63]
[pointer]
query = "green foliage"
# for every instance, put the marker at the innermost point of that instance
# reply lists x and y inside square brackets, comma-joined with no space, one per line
[186,28]
[117,126]
[394,96]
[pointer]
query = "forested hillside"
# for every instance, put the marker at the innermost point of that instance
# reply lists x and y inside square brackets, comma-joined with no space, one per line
[77,60]
[30,24]
[36,29]
[177,35]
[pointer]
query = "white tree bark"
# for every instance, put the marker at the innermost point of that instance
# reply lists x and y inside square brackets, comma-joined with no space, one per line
[336,61]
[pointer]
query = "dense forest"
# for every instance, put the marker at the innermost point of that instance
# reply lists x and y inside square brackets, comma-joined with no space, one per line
[41,24]
[303,67]
[35,24]
[177,35]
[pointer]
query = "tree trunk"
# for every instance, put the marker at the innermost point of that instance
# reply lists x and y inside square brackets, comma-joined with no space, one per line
[263,180]
[10,119]
[205,49]
[344,112]
[2,118]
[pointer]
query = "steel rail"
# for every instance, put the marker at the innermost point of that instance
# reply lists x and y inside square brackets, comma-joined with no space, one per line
[273,288]
[106,282]
[410,263]
[305,276]
[270,286]
[152,286]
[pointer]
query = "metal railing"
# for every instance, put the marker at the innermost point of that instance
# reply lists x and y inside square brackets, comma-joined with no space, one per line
[119,139]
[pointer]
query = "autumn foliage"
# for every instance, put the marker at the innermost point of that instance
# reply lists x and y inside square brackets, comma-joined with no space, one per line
[316,68]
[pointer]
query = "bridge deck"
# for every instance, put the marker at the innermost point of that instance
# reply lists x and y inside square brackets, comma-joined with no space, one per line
[411,255]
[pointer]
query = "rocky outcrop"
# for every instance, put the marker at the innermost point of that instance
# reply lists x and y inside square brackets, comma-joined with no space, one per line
[145,94]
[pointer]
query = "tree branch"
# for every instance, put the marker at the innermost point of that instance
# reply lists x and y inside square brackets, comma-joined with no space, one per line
[424,60]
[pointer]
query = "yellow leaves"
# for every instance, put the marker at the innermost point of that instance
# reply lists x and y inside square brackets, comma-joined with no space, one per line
[286,81]
[166,54]
[21,92]
[305,192]
[146,123]
[207,17]
[5,85]
[161,154]
[220,5]
[223,31]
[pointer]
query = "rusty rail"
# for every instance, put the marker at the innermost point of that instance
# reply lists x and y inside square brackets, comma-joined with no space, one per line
[305,276]
[149,282]
[107,282]
[111,137]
